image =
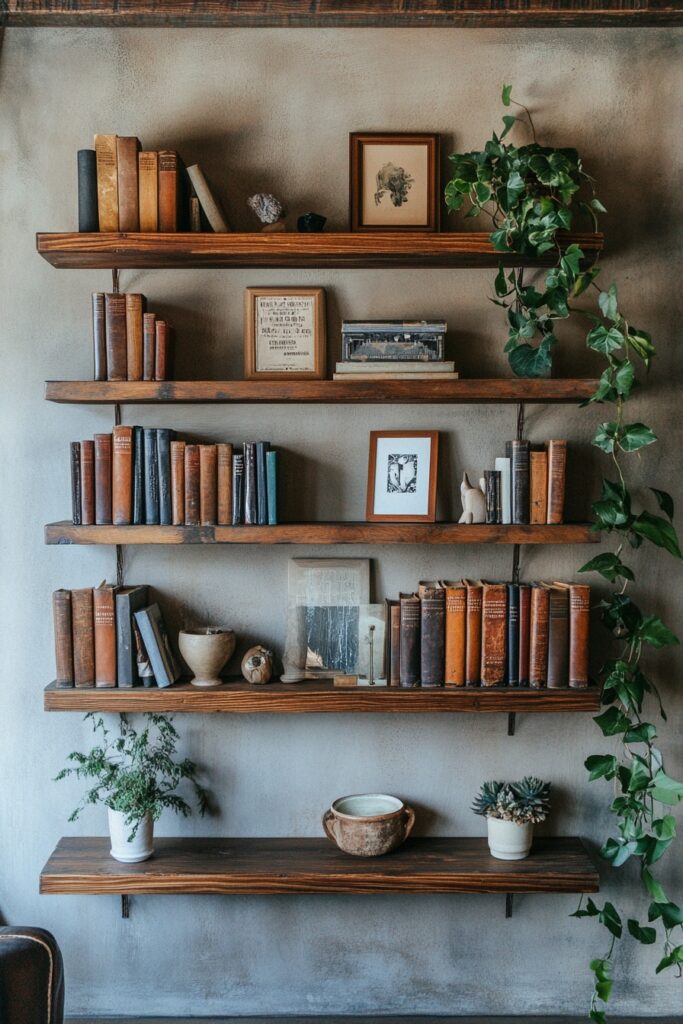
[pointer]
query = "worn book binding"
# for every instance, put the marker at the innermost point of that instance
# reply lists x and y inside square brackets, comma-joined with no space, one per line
[250,500]
[135,307]
[122,476]
[103,459]
[492,495]
[148,193]
[237,487]
[127,149]
[158,645]
[409,667]
[557,462]
[538,489]
[83,637]
[107,183]
[524,627]
[519,481]
[128,601]
[138,476]
[87,483]
[579,630]
[64,650]
[224,484]
[148,346]
[493,630]
[170,191]
[115,327]
[558,637]
[99,337]
[105,635]
[393,669]
[164,475]
[192,485]
[473,645]
[538,636]
[512,654]
[178,482]
[162,350]
[432,633]
[207,484]
[151,477]
[76,506]
[456,633]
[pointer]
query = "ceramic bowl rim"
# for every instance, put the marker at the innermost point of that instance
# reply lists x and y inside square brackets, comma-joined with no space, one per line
[367,817]
[204,631]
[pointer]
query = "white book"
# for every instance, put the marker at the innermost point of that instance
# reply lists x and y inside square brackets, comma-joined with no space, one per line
[209,204]
[503,467]
[357,378]
[396,366]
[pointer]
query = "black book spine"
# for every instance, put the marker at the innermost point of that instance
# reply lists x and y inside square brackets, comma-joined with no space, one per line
[432,637]
[138,476]
[88,218]
[409,651]
[250,507]
[237,487]
[519,481]
[151,477]
[512,651]
[164,437]
[492,485]
[261,483]
[76,507]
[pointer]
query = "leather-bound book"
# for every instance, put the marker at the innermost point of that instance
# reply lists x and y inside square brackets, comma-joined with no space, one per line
[519,481]
[99,337]
[161,350]
[127,149]
[64,648]
[170,191]
[76,507]
[135,307]
[138,476]
[558,638]
[208,484]
[524,627]
[473,643]
[237,488]
[538,474]
[432,633]
[164,437]
[250,506]
[128,601]
[157,644]
[148,345]
[394,663]
[88,483]
[557,465]
[409,657]
[148,191]
[493,630]
[151,477]
[456,633]
[492,495]
[107,183]
[122,476]
[104,613]
[178,482]
[579,631]
[192,484]
[103,482]
[115,326]
[261,447]
[271,483]
[195,214]
[83,636]
[538,636]
[512,653]
[88,219]
[224,484]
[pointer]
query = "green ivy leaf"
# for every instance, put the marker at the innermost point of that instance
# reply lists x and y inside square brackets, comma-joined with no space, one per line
[641,343]
[608,303]
[605,436]
[590,910]
[642,733]
[612,922]
[571,260]
[514,188]
[658,531]
[584,280]
[500,284]
[482,192]
[670,914]
[665,502]
[617,851]
[664,828]
[635,436]
[598,1016]
[527,361]
[508,121]
[645,935]
[624,378]
[640,776]
[612,722]
[608,565]
[605,340]
[653,887]
[507,92]
[597,205]
[665,789]
[674,958]
[601,765]
[653,631]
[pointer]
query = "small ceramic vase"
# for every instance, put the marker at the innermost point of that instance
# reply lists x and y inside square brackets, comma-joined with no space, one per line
[257,665]
[508,840]
[140,846]
[206,651]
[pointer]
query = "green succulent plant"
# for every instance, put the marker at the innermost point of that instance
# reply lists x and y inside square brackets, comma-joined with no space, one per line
[522,802]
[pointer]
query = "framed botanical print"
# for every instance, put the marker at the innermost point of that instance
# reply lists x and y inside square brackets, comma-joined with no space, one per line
[284,333]
[394,182]
[402,476]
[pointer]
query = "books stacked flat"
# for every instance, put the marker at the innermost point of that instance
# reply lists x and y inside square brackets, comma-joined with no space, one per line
[528,484]
[393,350]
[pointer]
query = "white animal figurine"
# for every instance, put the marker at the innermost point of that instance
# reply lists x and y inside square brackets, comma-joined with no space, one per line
[473,502]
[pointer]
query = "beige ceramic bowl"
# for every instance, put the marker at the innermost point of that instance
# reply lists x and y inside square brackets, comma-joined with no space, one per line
[368,824]
[206,651]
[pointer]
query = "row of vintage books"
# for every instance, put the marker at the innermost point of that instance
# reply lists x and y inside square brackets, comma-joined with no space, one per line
[128,342]
[527,484]
[144,475]
[474,633]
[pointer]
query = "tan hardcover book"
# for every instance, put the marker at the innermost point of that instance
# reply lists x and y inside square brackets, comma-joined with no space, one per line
[115,327]
[122,476]
[135,308]
[104,614]
[224,484]
[473,641]
[557,464]
[456,633]
[83,636]
[493,633]
[170,190]
[127,149]
[192,484]
[538,636]
[207,484]
[107,182]
[148,345]
[102,445]
[539,487]
[178,482]
[161,350]
[148,190]
[88,483]
[579,632]
[64,648]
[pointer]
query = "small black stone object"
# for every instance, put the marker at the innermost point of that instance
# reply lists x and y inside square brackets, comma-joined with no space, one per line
[311,222]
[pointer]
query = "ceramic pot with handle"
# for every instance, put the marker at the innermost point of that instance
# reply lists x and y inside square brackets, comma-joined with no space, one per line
[368,824]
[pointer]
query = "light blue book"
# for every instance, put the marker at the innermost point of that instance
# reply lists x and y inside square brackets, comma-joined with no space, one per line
[271,478]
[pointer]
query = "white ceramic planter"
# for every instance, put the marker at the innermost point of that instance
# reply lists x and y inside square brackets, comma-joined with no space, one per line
[508,840]
[139,848]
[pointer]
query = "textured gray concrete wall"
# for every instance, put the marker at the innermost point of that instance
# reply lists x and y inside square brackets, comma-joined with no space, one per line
[271,110]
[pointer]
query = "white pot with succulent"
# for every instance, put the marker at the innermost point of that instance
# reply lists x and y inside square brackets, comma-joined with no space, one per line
[511,810]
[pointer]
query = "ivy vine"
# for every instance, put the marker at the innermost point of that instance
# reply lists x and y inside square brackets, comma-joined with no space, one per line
[531,193]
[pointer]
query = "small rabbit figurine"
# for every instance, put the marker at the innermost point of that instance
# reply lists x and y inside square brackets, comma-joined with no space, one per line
[473,502]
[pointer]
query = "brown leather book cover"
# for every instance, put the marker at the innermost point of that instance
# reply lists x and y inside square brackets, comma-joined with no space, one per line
[208,484]
[539,487]
[135,307]
[87,483]
[224,484]
[557,464]
[538,636]
[127,149]
[192,484]
[148,191]
[148,345]
[103,458]
[107,182]
[473,642]
[64,649]
[161,350]
[99,337]
[178,482]
[170,190]
[392,667]
[494,601]
[524,628]
[432,632]
[122,476]
[115,326]
[579,633]
[456,633]
[409,655]
[558,638]
[83,636]
[104,615]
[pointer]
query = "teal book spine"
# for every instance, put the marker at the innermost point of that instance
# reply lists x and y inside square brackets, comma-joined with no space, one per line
[271,478]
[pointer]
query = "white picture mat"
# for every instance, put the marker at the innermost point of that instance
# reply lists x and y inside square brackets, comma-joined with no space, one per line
[284,328]
[414,159]
[394,503]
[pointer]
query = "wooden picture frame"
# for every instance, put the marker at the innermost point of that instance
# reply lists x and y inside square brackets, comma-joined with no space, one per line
[416,504]
[418,181]
[266,356]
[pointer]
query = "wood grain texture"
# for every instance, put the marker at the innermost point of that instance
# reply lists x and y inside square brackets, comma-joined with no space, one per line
[319,697]
[267,866]
[344,13]
[288,249]
[326,392]
[323,533]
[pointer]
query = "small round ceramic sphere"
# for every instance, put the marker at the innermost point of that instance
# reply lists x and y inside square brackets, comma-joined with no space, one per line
[257,665]
[267,208]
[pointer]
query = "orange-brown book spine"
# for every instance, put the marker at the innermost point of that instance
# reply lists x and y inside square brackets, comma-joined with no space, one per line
[135,308]
[122,476]
[102,444]
[83,636]
[192,484]
[557,466]
[524,628]
[161,350]
[87,483]
[178,482]
[394,669]
[107,182]
[115,321]
[127,149]
[148,190]
[456,634]
[224,484]
[64,648]
[558,638]
[538,637]
[579,633]
[99,337]
[208,479]
[104,615]
[148,345]
[473,643]
[493,633]
[539,487]
[169,190]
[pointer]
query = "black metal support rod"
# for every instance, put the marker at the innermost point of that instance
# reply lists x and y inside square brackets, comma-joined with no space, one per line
[115,281]
[508,904]
[125,906]
[512,718]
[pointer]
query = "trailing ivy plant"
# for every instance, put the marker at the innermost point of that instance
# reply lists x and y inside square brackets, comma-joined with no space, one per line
[531,194]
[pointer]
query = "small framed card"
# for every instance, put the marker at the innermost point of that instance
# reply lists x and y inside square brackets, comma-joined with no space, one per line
[284,333]
[394,181]
[402,476]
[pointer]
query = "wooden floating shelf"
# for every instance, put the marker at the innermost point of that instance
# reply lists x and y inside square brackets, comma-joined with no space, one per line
[288,249]
[269,866]
[323,533]
[318,697]
[319,391]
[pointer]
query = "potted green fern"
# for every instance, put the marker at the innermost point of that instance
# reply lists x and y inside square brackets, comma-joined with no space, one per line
[136,777]
[511,810]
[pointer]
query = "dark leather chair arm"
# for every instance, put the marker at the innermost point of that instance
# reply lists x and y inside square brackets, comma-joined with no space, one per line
[31,977]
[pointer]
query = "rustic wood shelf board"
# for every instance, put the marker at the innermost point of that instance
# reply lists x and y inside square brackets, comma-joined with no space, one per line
[323,533]
[267,866]
[288,249]
[325,392]
[341,13]
[319,697]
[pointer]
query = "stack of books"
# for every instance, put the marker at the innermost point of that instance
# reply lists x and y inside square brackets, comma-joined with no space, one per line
[527,484]
[128,342]
[393,350]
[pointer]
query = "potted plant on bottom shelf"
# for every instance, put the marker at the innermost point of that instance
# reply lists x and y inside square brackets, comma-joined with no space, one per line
[136,777]
[511,810]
